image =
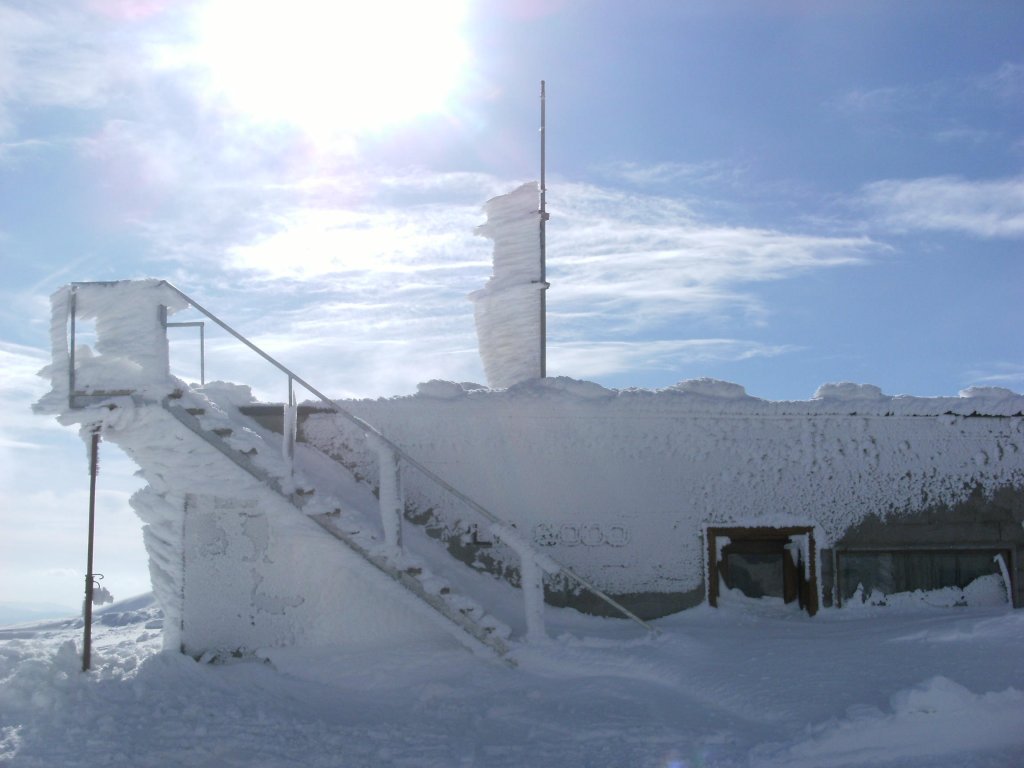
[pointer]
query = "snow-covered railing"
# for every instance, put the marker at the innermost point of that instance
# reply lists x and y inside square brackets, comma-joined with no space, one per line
[150,341]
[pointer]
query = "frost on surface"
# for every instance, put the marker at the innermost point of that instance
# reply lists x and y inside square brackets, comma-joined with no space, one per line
[389,490]
[125,322]
[57,371]
[711,388]
[846,390]
[617,484]
[508,308]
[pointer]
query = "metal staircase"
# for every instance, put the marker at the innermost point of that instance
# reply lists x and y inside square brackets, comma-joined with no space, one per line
[239,440]
[248,450]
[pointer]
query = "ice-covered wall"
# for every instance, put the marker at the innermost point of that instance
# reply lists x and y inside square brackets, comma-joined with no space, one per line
[234,565]
[508,308]
[618,484]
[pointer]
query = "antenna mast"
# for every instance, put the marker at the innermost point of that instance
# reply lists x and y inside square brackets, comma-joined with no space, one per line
[543,244]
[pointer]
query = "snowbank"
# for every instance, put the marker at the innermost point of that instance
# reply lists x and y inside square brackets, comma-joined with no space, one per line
[937,719]
[717,688]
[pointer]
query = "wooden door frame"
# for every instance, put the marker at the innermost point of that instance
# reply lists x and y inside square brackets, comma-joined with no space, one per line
[712,534]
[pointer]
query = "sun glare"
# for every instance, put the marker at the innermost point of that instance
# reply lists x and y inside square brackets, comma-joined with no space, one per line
[334,66]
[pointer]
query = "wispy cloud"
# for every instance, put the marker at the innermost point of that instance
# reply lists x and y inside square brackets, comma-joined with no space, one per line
[64,55]
[247,216]
[998,374]
[644,260]
[963,135]
[596,359]
[19,387]
[657,174]
[385,285]
[936,109]
[982,208]
[12,151]
[1007,82]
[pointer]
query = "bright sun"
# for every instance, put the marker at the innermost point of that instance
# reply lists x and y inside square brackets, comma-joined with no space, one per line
[334,66]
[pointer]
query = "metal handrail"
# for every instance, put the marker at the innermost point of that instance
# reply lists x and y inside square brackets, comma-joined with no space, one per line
[429,474]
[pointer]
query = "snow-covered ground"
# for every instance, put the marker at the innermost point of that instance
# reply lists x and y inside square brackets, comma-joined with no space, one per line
[749,684]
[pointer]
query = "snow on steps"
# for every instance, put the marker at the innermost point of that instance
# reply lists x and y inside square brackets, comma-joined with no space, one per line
[246,448]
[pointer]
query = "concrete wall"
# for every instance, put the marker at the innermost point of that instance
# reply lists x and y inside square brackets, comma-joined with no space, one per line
[620,487]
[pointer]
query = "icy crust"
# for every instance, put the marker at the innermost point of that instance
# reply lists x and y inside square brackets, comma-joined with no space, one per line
[125,322]
[712,396]
[236,567]
[618,484]
[56,372]
[507,308]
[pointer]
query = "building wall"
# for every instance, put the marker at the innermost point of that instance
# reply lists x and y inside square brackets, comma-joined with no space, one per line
[619,485]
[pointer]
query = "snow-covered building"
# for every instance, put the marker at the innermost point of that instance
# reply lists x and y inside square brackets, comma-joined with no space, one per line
[271,524]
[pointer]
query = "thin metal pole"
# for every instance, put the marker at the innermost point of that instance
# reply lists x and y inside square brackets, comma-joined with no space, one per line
[94,467]
[543,240]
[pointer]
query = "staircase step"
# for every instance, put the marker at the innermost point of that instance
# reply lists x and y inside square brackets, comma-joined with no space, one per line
[465,615]
[475,627]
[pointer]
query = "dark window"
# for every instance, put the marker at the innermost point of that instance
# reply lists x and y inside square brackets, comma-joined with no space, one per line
[894,571]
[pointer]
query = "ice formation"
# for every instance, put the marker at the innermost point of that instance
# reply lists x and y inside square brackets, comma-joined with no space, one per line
[125,321]
[508,308]
[617,483]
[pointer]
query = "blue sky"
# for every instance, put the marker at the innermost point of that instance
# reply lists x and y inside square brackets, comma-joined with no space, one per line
[777,194]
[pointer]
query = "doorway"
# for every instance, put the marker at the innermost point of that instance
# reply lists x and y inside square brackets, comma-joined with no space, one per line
[764,562]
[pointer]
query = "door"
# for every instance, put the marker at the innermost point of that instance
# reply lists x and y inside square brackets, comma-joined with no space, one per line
[764,562]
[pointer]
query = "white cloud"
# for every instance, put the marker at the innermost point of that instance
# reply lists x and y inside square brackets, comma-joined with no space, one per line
[643,260]
[917,108]
[1007,82]
[19,388]
[370,300]
[312,244]
[988,208]
[712,171]
[1001,374]
[964,135]
[61,54]
[595,359]
[13,151]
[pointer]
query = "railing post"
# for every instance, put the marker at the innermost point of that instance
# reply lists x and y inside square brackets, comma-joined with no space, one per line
[531,576]
[396,509]
[72,312]
[392,505]
[532,566]
[290,428]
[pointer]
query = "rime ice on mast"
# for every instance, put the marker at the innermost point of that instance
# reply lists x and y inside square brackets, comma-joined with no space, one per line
[509,309]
